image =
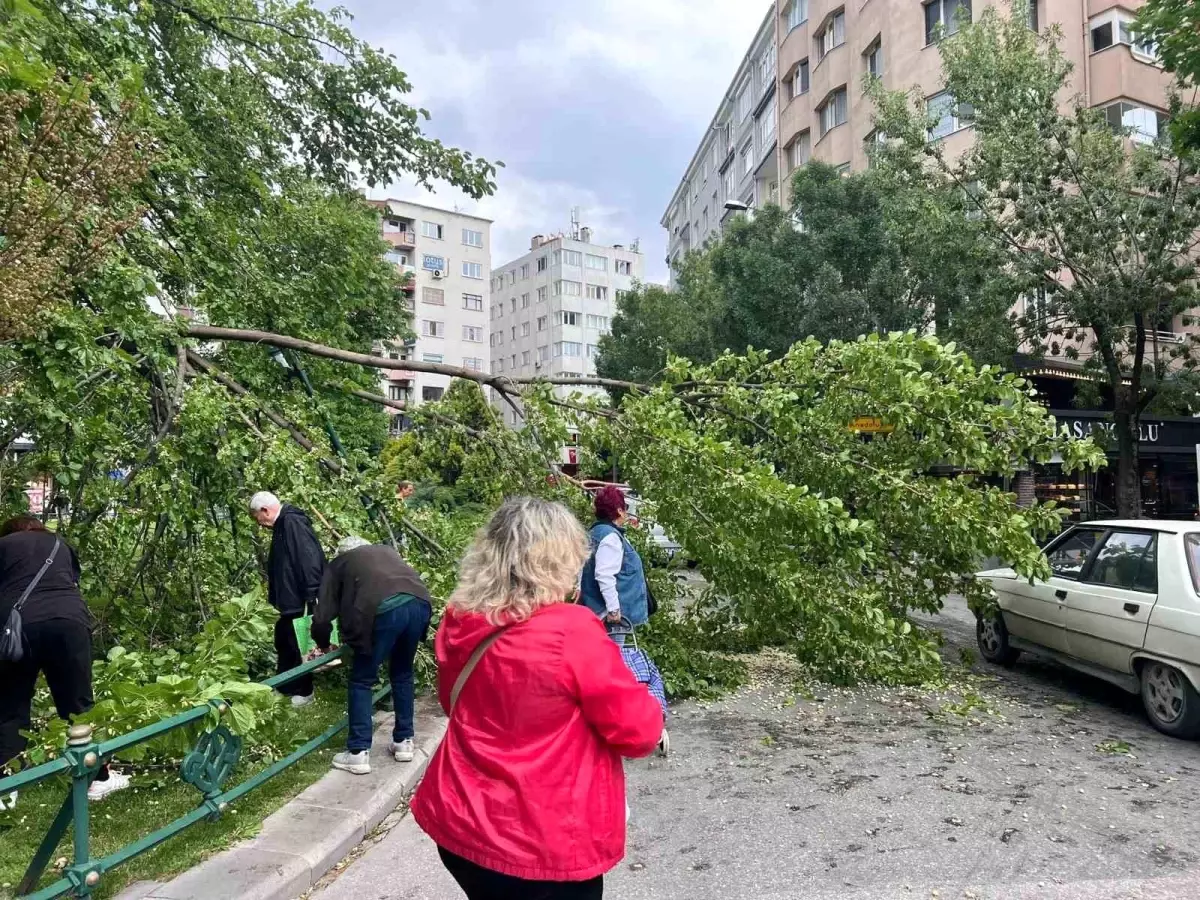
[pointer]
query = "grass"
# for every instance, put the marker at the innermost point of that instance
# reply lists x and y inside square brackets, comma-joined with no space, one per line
[156,798]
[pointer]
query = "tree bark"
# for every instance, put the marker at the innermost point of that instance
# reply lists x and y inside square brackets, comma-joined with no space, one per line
[1129,482]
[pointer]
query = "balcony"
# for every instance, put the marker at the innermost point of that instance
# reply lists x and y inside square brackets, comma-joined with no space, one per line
[402,240]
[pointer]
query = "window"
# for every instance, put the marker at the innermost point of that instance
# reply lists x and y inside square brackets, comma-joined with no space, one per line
[1128,559]
[1034,25]
[944,17]
[766,126]
[625,267]
[598,322]
[800,150]
[704,221]
[874,59]
[473,363]
[541,323]
[833,112]
[397,392]
[431,230]
[526,356]
[568,289]
[572,258]
[432,394]
[567,318]
[947,115]
[524,329]
[766,67]
[513,304]
[843,171]
[597,263]
[513,361]
[472,333]
[1069,555]
[1117,27]
[472,270]
[472,238]
[434,296]
[797,13]
[513,331]
[543,292]
[524,271]
[396,258]
[598,292]
[593,350]
[1141,123]
[743,104]
[432,357]
[620,295]
[567,348]
[747,158]
[729,183]
[832,35]
[430,328]
[495,339]
[525,301]
[798,82]
[543,354]
[512,276]
[433,263]
[541,263]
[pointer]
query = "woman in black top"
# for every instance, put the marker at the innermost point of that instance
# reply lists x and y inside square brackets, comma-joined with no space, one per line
[58,637]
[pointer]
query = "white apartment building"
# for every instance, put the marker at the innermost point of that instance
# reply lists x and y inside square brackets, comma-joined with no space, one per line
[551,306]
[448,256]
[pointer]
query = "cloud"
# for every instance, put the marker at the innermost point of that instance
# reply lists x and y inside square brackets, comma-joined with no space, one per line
[598,106]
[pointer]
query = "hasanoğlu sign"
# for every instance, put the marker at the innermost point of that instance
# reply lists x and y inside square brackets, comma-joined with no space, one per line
[1179,434]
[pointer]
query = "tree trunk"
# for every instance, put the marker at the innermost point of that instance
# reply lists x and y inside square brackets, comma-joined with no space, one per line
[1129,482]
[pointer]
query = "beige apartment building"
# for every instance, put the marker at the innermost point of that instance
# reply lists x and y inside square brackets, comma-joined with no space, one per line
[828,49]
[448,256]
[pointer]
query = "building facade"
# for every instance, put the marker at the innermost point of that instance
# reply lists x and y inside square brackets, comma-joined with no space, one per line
[447,258]
[551,306]
[736,165]
[829,49]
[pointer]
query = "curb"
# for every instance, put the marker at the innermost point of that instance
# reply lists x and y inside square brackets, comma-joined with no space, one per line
[310,834]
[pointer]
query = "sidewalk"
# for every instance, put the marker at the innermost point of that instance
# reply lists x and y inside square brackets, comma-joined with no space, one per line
[312,833]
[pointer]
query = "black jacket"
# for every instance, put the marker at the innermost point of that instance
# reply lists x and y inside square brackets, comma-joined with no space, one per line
[355,584]
[295,564]
[57,595]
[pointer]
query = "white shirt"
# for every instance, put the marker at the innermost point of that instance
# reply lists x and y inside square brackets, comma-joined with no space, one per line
[610,556]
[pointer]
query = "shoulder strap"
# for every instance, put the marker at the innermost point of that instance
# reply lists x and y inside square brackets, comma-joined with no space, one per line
[472,662]
[38,577]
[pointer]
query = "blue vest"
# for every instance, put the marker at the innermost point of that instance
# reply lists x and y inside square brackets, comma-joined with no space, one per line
[631,580]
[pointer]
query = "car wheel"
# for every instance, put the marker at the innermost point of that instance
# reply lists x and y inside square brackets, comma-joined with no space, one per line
[1170,701]
[992,637]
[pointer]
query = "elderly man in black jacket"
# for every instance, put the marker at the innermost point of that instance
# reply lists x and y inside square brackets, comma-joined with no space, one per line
[383,609]
[295,566]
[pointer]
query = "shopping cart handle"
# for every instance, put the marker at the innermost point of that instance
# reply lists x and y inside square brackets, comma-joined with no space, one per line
[622,627]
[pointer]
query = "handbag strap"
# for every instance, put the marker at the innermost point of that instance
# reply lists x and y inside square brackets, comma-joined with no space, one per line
[472,662]
[38,577]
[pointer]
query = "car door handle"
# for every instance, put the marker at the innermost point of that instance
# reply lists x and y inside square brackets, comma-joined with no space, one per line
[1132,608]
[1061,595]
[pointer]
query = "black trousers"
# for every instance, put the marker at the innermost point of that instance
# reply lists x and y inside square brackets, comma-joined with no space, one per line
[62,650]
[287,652]
[479,883]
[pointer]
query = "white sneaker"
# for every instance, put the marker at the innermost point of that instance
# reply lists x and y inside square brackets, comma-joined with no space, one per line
[98,790]
[298,701]
[355,763]
[404,751]
[664,744]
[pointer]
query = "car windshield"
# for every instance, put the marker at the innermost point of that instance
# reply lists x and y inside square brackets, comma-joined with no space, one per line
[1192,542]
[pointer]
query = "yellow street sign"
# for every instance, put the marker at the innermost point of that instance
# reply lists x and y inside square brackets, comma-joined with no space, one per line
[871,425]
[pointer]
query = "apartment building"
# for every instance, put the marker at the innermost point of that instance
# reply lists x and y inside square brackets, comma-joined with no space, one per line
[736,166]
[552,305]
[448,258]
[829,49]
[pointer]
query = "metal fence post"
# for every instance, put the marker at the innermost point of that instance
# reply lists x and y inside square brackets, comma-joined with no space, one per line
[84,754]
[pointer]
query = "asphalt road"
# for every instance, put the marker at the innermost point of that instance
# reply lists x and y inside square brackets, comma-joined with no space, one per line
[1029,783]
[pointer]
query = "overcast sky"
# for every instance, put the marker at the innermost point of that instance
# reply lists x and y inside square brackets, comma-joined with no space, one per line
[598,105]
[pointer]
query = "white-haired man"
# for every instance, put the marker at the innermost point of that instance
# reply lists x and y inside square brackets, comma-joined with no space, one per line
[383,611]
[295,566]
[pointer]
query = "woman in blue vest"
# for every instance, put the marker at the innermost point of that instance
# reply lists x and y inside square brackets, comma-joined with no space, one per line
[614,582]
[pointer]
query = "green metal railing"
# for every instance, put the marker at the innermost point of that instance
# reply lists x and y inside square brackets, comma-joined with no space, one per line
[206,767]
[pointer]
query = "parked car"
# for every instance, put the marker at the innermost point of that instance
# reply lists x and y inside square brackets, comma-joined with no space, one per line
[1122,604]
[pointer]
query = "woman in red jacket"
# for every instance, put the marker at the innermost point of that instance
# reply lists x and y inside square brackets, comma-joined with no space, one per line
[525,796]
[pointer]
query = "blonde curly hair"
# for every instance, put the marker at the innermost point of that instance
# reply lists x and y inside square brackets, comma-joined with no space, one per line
[527,556]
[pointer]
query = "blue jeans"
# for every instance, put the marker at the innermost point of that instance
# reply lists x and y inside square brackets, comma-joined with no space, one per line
[396,635]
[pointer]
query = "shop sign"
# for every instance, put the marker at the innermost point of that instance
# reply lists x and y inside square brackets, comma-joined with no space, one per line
[871,425]
[1148,432]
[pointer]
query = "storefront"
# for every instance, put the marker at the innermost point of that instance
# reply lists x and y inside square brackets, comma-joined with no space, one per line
[1167,453]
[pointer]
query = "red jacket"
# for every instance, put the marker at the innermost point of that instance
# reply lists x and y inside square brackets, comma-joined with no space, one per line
[528,780]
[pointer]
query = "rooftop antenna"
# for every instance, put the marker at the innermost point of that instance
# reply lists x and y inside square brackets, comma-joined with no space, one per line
[636,246]
[574,223]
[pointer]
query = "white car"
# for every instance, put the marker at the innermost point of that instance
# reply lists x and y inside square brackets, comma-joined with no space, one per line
[1122,604]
